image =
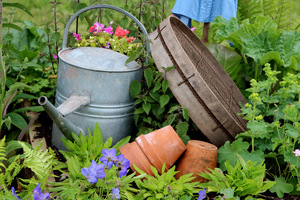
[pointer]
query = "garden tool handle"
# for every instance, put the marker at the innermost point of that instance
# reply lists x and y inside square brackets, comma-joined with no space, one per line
[65,37]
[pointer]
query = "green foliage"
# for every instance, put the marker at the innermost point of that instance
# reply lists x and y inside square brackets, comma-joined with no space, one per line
[156,106]
[281,11]
[273,127]
[89,147]
[259,42]
[165,186]
[8,171]
[243,179]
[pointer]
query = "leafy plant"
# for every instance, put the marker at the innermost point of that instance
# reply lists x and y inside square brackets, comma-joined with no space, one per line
[244,179]
[259,43]
[165,186]
[156,106]
[273,127]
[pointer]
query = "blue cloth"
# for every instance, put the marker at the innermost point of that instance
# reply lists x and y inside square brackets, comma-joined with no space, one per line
[205,10]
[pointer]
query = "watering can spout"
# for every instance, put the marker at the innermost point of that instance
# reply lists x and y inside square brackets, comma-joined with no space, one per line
[65,126]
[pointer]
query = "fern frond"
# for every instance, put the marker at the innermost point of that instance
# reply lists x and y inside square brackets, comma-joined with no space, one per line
[2,153]
[283,16]
[249,9]
[38,161]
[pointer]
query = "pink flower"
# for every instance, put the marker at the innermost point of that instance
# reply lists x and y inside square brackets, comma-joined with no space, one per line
[96,28]
[192,29]
[77,36]
[109,30]
[297,152]
[130,39]
[111,22]
[54,56]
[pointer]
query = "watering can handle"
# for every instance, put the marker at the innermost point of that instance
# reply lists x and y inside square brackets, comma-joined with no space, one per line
[65,37]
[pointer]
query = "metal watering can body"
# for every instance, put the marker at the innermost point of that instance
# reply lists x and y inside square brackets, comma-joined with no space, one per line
[93,87]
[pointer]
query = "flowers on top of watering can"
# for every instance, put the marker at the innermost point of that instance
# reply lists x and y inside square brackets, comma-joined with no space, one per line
[201,194]
[106,37]
[297,152]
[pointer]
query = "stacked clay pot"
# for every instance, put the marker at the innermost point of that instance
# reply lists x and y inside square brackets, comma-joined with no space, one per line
[155,148]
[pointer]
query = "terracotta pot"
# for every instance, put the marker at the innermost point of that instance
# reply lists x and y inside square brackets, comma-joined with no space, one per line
[136,156]
[155,148]
[161,146]
[198,157]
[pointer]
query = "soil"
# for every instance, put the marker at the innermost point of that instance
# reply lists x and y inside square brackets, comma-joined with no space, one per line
[46,128]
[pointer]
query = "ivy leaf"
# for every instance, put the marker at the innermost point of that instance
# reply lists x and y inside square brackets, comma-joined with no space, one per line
[163,100]
[185,114]
[146,106]
[135,88]
[165,85]
[281,187]
[182,128]
[148,76]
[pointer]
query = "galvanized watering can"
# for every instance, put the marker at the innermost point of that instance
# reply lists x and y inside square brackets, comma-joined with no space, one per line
[93,87]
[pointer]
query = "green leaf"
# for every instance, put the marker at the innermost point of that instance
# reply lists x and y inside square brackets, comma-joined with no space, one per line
[228,152]
[281,187]
[185,114]
[148,76]
[17,5]
[182,128]
[10,25]
[164,100]
[165,85]
[17,120]
[228,58]
[135,88]
[157,86]
[135,55]
[146,106]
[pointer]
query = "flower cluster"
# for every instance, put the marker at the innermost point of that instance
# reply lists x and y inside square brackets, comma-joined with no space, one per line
[106,37]
[97,171]
[110,163]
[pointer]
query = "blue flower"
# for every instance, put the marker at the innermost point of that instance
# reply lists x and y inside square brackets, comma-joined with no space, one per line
[94,172]
[108,155]
[13,191]
[116,193]
[122,162]
[38,195]
[201,194]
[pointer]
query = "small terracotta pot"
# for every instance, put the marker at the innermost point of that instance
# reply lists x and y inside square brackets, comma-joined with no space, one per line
[155,148]
[198,157]
[161,146]
[136,156]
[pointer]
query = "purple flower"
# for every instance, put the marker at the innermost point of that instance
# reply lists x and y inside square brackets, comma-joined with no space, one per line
[98,170]
[122,172]
[109,30]
[116,193]
[122,162]
[201,194]
[54,56]
[94,172]
[13,191]
[77,36]
[108,155]
[89,175]
[297,152]
[38,195]
[107,45]
[192,29]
